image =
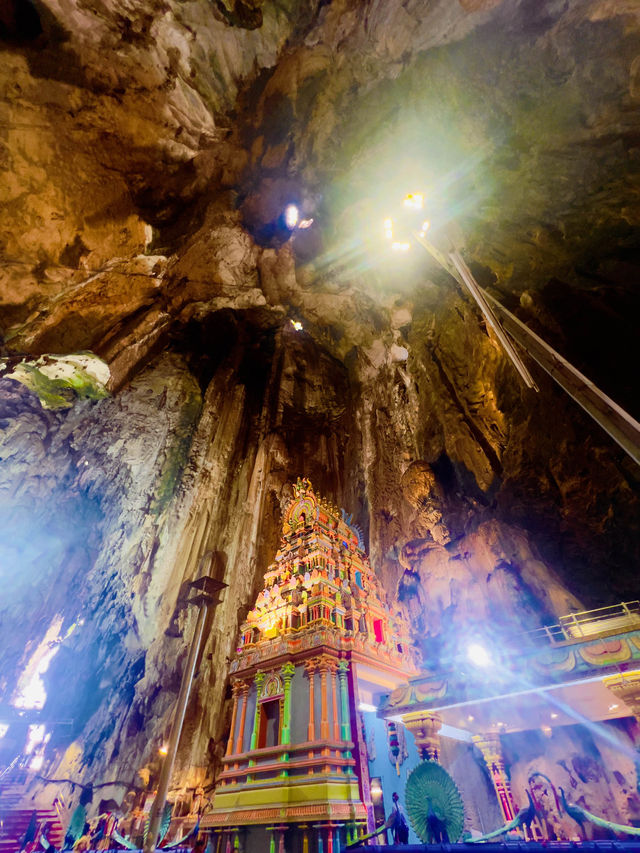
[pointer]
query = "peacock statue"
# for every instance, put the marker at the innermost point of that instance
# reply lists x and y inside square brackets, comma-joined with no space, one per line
[434,804]
[525,817]
[582,816]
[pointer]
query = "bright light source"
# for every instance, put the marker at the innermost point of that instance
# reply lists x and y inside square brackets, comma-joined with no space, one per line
[296,325]
[35,736]
[291,215]
[388,229]
[478,655]
[554,716]
[365,706]
[613,707]
[470,718]
[401,247]
[4,728]
[547,730]
[36,762]
[305,223]
[163,749]
[30,692]
[426,225]
[414,200]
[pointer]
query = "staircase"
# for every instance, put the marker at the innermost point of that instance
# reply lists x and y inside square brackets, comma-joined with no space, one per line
[14,820]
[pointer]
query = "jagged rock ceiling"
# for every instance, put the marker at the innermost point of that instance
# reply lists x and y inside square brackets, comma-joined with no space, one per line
[148,150]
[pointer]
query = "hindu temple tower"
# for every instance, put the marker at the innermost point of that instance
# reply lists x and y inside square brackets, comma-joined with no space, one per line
[319,640]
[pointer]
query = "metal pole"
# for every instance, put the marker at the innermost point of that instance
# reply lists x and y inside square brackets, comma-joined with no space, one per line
[624,429]
[174,738]
[454,264]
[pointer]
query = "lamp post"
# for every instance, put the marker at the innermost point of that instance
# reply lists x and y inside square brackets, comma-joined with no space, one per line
[207,590]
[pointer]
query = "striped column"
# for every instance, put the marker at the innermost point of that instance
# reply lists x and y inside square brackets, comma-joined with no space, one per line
[236,692]
[334,698]
[491,749]
[244,698]
[345,726]
[259,681]
[324,707]
[310,671]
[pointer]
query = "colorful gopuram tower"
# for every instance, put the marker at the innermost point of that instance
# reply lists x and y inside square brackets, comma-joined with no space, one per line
[319,640]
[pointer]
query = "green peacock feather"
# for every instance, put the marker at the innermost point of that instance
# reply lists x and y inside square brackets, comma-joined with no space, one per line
[76,824]
[581,815]
[432,793]
[164,824]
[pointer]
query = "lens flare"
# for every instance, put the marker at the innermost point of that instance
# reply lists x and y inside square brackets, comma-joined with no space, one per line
[478,655]
[291,215]
[415,201]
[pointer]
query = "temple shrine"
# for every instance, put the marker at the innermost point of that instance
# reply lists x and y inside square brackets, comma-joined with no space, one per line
[319,644]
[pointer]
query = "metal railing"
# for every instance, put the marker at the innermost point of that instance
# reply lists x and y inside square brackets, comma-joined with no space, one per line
[590,623]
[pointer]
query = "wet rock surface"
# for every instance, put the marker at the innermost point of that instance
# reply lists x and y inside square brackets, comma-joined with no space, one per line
[147,155]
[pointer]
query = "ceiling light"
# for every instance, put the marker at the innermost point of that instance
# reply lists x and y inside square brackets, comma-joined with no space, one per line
[291,214]
[414,200]
[613,707]
[401,247]
[478,655]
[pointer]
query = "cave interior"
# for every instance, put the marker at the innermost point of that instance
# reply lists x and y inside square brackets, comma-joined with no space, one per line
[177,350]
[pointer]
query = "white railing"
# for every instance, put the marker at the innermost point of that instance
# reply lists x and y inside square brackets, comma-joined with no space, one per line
[590,623]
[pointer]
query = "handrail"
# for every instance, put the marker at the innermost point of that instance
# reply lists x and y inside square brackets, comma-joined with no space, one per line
[10,767]
[571,626]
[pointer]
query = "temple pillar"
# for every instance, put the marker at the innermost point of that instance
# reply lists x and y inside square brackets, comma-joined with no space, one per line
[491,749]
[244,697]
[319,829]
[310,671]
[425,727]
[259,681]
[334,701]
[305,837]
[323,668]
[286,672]
[235,689]
[345,725]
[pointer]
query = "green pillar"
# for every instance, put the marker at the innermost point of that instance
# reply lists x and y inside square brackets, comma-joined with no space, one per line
[345,725]
[259,681]
[286,672]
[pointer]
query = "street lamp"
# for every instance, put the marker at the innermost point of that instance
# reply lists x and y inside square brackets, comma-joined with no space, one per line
[207,590]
